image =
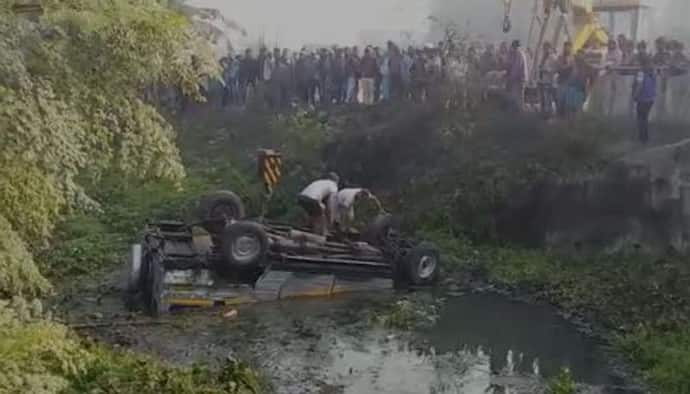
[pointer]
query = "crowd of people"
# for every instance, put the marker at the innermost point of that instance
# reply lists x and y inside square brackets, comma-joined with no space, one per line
[333,75]
[566,77]
[339,75]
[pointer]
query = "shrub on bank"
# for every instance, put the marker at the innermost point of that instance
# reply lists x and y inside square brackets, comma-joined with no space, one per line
[18,273]
[43,357]
[663,356]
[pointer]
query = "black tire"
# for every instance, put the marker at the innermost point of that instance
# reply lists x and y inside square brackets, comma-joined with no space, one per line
[421,265]
[216,209]
[135,274]
[244,246]
[378,230]
[156,273]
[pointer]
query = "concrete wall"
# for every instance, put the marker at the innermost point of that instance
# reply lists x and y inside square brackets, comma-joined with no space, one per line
[612,96]
[640,202]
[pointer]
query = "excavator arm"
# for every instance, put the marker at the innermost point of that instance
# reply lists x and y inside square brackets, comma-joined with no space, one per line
[588,30]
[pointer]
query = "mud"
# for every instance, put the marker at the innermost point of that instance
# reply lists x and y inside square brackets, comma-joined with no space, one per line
[482,343]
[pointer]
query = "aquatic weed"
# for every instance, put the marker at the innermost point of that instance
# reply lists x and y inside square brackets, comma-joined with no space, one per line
[562,383]
[409,313]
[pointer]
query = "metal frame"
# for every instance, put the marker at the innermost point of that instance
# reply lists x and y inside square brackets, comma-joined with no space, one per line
[194,278]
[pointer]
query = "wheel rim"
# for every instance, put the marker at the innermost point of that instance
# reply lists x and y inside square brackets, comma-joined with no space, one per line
[245,248]
[426,267]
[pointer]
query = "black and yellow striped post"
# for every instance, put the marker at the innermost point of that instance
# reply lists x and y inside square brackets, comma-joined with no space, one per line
[270,165]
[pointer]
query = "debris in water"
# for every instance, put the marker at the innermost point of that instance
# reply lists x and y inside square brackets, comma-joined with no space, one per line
[231,314]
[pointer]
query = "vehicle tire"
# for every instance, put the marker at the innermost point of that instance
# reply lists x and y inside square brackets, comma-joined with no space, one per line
[421,265]
[134,277]
[378,230]
[217,206]
[244,246]
[155,276]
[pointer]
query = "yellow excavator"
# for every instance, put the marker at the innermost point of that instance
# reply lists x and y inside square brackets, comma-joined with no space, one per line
[575,18]
[557,21]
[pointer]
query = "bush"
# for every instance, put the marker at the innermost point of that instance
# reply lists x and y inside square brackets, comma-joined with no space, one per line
[43,357]
[664,357]
[409,313]
[18,273]
[562,383]
[70,111]
[36,355]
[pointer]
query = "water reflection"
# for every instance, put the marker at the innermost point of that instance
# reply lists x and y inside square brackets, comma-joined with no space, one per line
[518,337]
[395,366]
[480,344]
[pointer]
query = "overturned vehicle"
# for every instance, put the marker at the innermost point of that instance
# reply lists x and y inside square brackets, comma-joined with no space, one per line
[226,259]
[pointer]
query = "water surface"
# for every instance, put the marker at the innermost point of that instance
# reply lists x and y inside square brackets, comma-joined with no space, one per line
[480,344]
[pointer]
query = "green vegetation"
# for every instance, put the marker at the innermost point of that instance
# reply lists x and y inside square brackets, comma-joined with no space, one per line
[71,84]
[642,300]
[418,311]
[663,356]
[80,147]
[40,356]
[85,161]
[450,179]
[454,180]
[563,383]
[86,244]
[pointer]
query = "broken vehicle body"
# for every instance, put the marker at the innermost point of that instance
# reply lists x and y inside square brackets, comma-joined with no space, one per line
[225,259]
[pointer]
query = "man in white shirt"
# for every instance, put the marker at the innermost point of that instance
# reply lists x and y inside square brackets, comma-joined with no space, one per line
[345,206]
[319,200]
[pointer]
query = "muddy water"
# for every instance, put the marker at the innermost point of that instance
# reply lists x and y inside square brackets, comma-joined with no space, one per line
[480,344]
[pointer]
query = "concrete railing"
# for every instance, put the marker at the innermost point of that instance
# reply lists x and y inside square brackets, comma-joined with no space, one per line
[611,95]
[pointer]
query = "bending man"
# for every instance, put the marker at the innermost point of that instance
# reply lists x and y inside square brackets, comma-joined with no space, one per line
[319,200]
[345,206]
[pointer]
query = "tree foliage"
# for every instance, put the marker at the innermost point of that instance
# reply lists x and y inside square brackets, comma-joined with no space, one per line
[18,274]
[72,84]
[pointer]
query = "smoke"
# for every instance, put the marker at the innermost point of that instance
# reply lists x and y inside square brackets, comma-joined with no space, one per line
[293,23]
[484,18]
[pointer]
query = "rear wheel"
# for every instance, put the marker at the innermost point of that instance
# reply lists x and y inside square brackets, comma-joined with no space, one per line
[219,208]
[244,246]
[134,278]
[155,278]
[421,265]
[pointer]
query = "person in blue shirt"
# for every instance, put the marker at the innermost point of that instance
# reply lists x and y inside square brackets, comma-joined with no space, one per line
[644,94]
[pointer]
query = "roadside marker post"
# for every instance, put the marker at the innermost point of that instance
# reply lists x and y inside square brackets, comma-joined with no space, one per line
[270,166]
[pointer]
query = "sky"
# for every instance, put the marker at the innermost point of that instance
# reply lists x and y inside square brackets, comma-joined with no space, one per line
[292,23]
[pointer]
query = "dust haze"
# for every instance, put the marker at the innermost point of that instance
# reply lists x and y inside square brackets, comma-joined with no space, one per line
[295,23]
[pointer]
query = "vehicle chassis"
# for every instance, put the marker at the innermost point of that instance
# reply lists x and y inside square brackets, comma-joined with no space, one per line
[238,253]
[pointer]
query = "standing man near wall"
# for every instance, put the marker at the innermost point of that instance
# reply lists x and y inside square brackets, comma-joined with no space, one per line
[644,94]
[517,74]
